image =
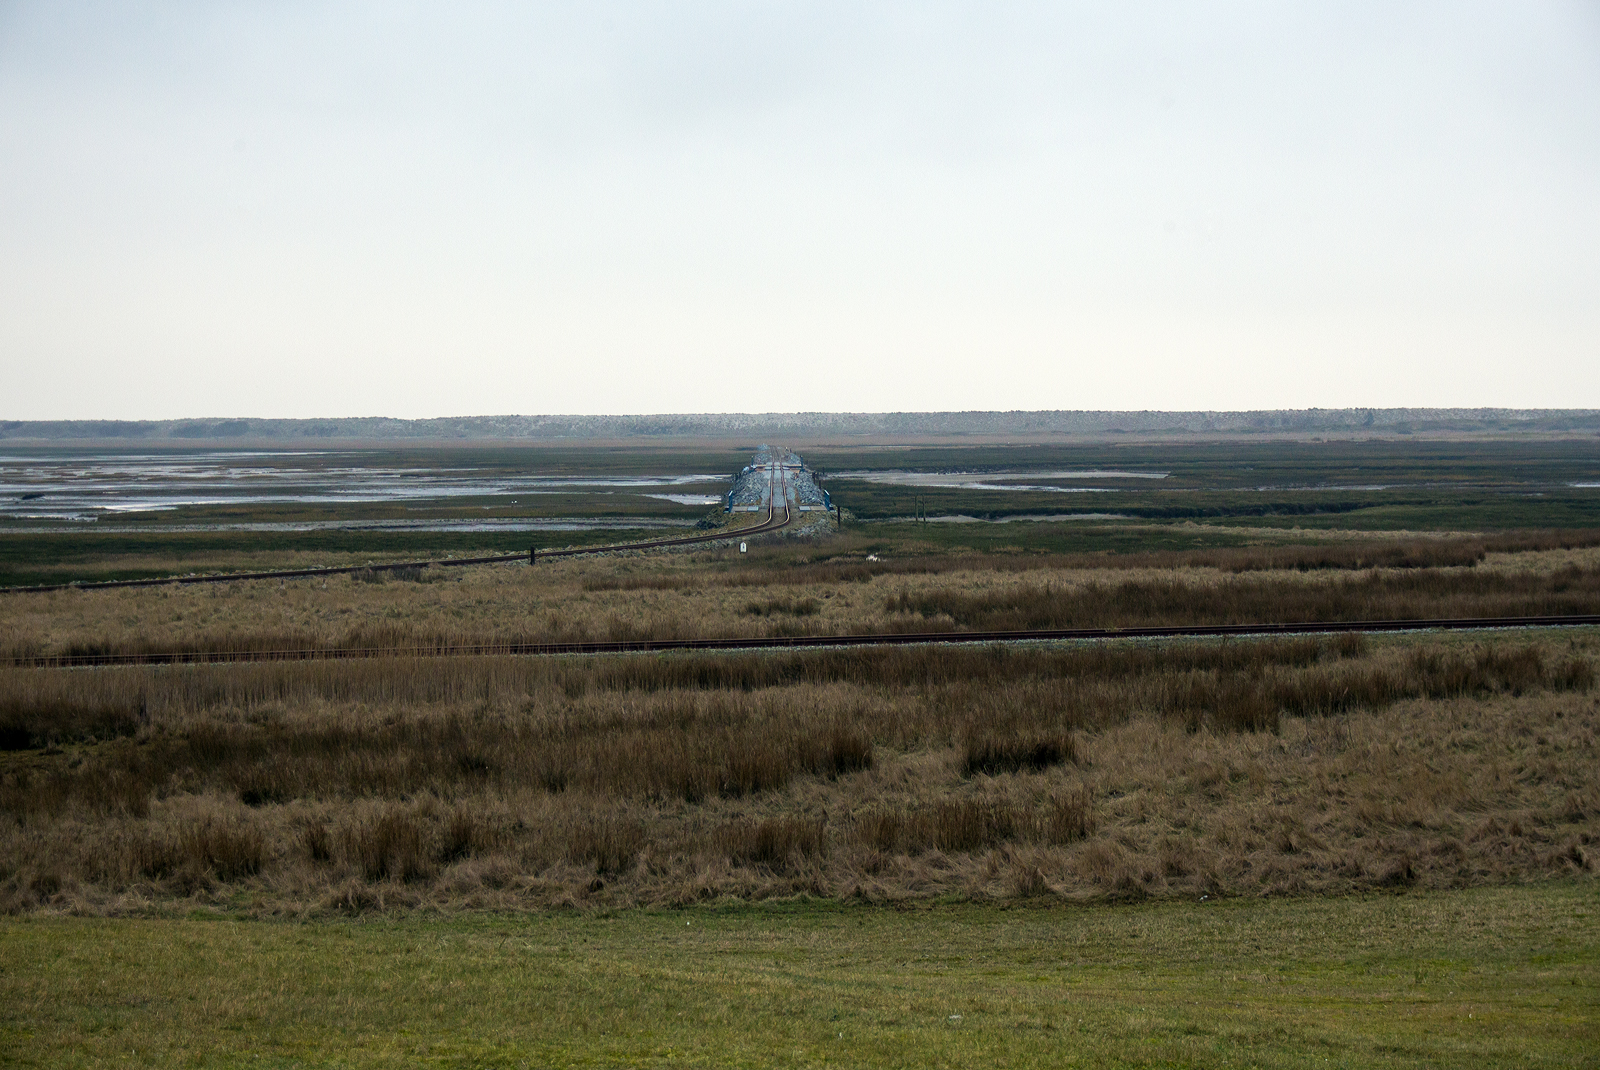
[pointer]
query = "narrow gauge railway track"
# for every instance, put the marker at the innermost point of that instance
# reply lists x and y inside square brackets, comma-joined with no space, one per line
[790,642]
[771,523]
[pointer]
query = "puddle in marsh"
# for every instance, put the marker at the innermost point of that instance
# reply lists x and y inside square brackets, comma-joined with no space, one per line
[576,523]
[77,487]
[690,499]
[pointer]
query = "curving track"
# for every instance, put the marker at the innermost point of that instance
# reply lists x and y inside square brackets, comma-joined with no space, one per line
[777,495]
[771,523]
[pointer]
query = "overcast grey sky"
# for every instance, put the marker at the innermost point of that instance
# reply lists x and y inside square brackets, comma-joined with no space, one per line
[301,209]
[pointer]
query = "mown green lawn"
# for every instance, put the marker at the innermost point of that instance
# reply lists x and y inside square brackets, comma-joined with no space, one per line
[1483,978]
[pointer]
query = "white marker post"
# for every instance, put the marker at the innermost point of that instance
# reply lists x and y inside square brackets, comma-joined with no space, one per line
[741,547]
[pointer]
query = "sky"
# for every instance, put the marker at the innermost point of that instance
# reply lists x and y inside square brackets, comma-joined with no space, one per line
[293,209]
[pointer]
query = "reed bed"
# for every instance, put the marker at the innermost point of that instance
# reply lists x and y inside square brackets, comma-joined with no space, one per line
[1239,767]
[1163,601]
[1356,554]
[498,610]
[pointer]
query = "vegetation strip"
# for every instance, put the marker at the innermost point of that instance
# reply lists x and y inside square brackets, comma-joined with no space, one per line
[1278,766]
[771,523]
[1487,978]
[64,661]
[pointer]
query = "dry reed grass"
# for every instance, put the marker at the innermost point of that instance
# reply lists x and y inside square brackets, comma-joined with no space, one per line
[1360,555]
[703,595]
[1173,600]
[1127,769]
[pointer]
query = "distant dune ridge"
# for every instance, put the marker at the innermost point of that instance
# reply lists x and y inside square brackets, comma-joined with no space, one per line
[804,425]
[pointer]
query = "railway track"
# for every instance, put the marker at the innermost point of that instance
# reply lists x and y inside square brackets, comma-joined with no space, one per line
[791,642]
[777,496]
[771,523]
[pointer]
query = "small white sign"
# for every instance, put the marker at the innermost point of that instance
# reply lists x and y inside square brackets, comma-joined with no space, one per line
[741,547]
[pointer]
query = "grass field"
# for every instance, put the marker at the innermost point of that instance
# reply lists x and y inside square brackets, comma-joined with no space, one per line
[1390,485]
[1502,977]
[1239,464]
[1213,494]
[1303,853]
[849,584]
[35,558]
[1082,772]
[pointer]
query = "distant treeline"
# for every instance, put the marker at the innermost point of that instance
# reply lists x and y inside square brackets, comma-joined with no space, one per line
[812,424]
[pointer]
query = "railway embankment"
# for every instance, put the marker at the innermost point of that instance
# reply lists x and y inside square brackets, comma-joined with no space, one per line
[775,475]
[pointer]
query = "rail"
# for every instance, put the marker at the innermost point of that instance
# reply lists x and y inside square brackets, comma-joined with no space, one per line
[771,642]
[770,524]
